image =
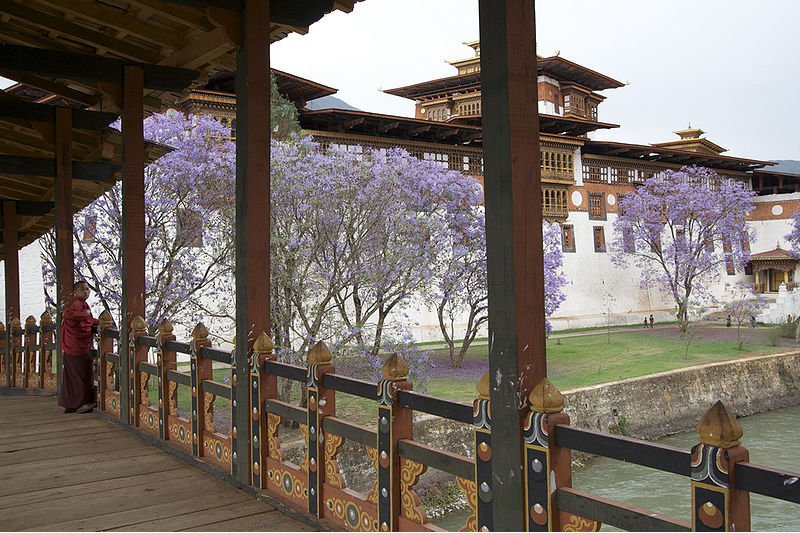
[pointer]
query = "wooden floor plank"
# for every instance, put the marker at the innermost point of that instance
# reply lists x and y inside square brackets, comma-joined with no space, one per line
[86,472]
[168,516]
[30,492]
[116,444]
[69,472]
[255,522]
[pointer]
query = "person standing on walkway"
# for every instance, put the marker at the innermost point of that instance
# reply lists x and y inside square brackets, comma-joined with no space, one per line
[651,320]
[77,392]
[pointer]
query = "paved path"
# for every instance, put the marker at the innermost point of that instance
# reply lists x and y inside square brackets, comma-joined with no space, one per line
[73,472]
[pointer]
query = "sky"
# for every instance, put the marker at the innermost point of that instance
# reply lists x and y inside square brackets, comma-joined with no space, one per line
[729,67]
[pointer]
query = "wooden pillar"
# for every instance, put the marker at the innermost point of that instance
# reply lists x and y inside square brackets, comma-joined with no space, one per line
[394,425]
[321,403]
[513,238]
[132,227]
[252,209]
[12,280]
[65,260]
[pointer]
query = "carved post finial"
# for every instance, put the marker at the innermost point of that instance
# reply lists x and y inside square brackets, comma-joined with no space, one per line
[138,324]
[395,368]
[482,388]
[105,319]
[30,321]
[263,344]
[719,427]
[319,354]
[15,324]
[165,328]
[200,332]
[546,398]
[46,318]
[2,327]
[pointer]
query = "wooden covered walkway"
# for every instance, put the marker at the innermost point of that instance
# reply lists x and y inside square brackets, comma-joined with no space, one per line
[78,472]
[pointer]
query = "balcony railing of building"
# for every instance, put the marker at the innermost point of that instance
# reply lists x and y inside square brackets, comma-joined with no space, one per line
[717,470]
[554,203]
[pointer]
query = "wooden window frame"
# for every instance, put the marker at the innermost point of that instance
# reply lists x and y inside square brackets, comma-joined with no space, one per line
[599,245]
[568,229]
[601,198]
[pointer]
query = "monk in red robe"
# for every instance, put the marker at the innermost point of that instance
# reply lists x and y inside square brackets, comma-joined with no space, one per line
[77,392]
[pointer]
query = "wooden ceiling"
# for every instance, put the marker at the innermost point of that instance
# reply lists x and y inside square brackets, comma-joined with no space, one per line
[71,53]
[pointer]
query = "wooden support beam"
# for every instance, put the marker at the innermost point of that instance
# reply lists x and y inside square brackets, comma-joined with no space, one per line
[31,208]
[45,168]
[68,65]
[133,241]
[286,12]
[65,257]
[252,212]
[20,236]
[389,126]
[82,98]
[515,266]
[444,134]
[352,123]
[77,32]
[12,278]
[419,129]
[12,108]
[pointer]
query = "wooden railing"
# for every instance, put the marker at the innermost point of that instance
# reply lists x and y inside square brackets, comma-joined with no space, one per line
[189,410]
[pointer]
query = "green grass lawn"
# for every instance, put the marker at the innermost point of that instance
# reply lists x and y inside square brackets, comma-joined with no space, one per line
[572,362]
[584,360]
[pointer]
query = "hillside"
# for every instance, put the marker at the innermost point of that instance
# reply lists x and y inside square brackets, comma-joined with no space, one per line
[786,165]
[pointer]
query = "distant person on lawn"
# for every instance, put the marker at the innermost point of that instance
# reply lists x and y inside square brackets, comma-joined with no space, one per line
[77,389]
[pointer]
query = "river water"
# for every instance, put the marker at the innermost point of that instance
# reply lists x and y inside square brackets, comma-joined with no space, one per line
[771,438]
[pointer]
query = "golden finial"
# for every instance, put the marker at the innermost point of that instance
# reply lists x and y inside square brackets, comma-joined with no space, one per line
[30,321]
[482,388]
[546,398]
[15,323]
[46,318]
[263,344]
[718,427]
[105,319]
[200,332]
[165,328]
[138,324]
[2,327]
[395,368]
[319,354]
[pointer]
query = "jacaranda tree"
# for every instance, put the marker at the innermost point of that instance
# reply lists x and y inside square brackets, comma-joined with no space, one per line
[459,289]
[682,228]
[188,227]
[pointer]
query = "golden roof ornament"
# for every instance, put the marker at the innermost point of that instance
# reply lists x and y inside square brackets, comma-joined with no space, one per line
[319,354]
[263,344]
[482,388]
[47,318]
[30,321]
[15,323]
[138,324]
[718,427]
[546,398]
[165,328]
[395,368]
[200,332]
[2,327]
